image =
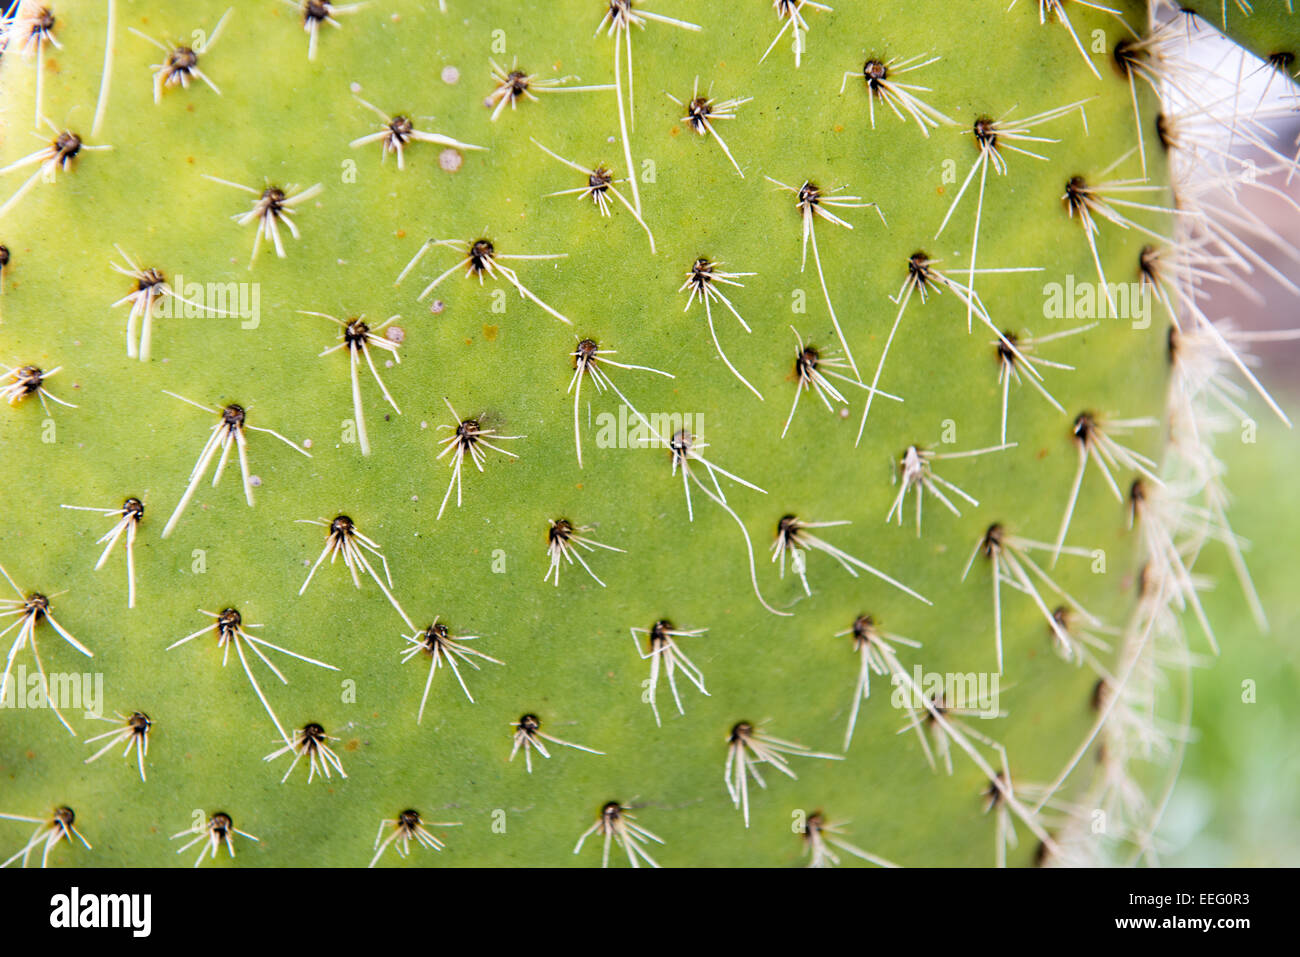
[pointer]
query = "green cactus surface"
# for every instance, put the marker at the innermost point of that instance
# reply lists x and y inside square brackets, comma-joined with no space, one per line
[504,360]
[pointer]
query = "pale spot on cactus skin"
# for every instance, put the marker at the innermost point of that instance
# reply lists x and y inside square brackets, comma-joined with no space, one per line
[450,75]
[450,160]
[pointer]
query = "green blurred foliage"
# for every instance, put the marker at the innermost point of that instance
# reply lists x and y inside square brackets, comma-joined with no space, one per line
[1236,803]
